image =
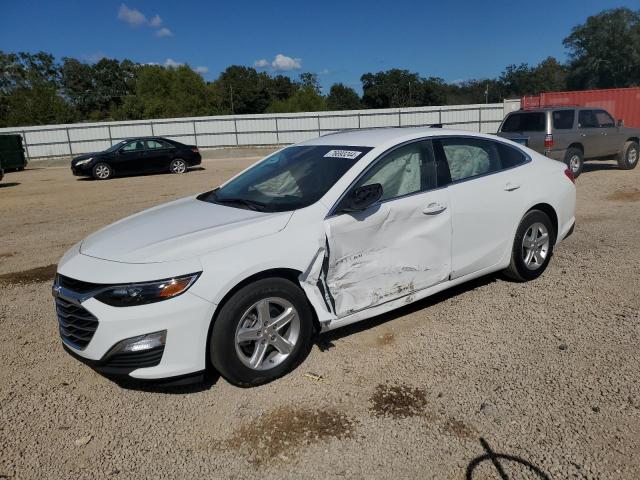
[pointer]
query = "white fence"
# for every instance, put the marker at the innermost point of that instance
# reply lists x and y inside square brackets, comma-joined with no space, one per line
[253,130]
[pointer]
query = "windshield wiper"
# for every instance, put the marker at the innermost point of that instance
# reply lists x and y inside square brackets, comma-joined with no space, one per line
[251,204]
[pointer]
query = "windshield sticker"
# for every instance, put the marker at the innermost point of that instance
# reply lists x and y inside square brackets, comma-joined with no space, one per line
[350,154]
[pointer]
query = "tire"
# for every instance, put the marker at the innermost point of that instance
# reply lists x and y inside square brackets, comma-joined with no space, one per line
[239,359]
[178,165]
[525,265]
[628,159]
[101,171]
[574,159]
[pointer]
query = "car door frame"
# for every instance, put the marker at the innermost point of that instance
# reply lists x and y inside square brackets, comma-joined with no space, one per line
[127,160]
[610,141]
[158,159]
[590,137]
[463,270]
[436,190]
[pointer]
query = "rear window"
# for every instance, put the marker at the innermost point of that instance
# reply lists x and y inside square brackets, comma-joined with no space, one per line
[524,122]
[563,119]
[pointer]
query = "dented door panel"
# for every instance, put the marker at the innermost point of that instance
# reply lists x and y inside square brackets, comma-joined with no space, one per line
[388,251]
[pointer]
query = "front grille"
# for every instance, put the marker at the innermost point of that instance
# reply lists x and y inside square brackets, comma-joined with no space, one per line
[77,325]
[77,286]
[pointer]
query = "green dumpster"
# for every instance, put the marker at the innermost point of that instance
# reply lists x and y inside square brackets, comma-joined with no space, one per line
[12,153]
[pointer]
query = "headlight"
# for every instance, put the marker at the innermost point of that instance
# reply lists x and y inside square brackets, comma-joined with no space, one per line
[148,292]
[84,162]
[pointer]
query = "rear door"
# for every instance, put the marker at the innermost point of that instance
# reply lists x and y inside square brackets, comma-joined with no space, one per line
[487,195]
[590,134]
[397,246]
[157,156]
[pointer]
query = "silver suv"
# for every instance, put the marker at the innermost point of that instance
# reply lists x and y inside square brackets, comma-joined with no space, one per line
[573,135]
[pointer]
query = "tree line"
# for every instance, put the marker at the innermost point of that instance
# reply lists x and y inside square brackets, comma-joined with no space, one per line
[36,89]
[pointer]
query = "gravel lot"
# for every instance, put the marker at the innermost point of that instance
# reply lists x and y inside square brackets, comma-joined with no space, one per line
[545,373]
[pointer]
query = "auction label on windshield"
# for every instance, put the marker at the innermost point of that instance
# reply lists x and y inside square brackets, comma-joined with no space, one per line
[350,154]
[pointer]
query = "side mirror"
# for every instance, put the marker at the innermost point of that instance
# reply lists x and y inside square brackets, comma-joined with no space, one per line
[361,198]
[620,122]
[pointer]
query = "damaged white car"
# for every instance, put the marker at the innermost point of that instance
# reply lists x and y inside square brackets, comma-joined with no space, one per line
[314,237]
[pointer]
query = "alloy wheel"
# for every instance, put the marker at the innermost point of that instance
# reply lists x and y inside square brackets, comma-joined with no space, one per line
[267,333]
[632,156]
[574,163]
[535,246]
[103,172]
[178,166]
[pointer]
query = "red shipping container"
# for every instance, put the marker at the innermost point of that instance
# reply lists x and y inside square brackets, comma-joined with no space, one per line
[622,103]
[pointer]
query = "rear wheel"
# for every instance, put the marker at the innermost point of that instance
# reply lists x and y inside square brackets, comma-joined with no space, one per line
[629,157]
[262,332]
[532,247]
[102,171]
[177,165]
[574,158]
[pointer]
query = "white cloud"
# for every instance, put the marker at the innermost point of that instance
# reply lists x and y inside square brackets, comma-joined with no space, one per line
[93,57]
[171,63]
[325,71]
[164,32]
[155,21]
[202,69]
[262,63]
[131,16]
[282,63]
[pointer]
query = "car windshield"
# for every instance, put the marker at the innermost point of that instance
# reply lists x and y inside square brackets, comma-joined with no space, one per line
[115,147]
[524,122]
[292,178]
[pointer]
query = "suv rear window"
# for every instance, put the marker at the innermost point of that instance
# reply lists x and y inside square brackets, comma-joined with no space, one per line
[524,122]
[563,119]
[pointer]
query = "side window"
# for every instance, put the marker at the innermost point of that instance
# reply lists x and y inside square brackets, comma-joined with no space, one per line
[408,169]
[133,146]
[154,144]
[563,119]
[470,157]
[586,119]
[604,119]
[509,156]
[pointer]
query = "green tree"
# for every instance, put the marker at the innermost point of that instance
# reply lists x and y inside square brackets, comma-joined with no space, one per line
[605,50]
[401,88]
[241,90]
[342,97]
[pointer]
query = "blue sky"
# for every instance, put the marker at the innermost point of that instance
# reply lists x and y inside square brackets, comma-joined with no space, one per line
[339,40]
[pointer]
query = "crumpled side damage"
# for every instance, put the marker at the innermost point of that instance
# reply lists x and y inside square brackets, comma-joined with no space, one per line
[313,282]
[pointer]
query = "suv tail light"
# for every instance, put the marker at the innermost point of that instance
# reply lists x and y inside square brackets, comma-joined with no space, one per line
[548,141]
[195,150]
[569,175]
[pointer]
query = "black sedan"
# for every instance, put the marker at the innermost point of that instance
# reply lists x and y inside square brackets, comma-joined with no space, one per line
[135,156]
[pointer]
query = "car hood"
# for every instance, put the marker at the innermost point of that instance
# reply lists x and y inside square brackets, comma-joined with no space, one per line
[178,230]
[84,156]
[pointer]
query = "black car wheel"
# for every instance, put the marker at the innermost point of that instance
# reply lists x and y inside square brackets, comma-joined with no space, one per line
[574,158]
[262,332]
[102,171]
[629,156]
[178,166]
[532,247]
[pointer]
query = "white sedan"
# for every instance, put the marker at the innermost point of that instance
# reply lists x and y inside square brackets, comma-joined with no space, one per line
[314,237]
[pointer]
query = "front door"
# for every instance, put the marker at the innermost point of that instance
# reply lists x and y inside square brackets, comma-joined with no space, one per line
[401,244]
[129,158]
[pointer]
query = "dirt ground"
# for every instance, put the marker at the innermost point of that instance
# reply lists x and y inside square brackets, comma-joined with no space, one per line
[489,380]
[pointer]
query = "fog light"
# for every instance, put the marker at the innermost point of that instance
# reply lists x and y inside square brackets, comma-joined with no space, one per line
[139,343]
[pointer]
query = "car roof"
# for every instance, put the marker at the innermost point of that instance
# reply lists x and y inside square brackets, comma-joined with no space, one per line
[553,108]
[374,137]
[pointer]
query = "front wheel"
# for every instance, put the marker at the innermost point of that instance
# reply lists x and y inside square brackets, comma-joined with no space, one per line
[261,333]
[102,171]
[178,166]
[532,247]
[629,156]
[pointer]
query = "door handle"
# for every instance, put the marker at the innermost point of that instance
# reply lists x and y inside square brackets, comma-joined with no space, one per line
[583,134]
[510,187]
[604,133]
[434,209]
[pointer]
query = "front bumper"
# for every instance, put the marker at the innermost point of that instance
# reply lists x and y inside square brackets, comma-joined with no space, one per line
[82,171]
[186,319]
